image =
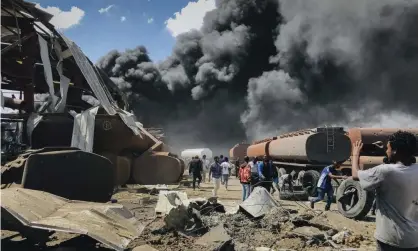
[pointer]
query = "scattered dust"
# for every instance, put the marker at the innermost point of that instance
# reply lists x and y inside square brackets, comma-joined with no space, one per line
[275,230]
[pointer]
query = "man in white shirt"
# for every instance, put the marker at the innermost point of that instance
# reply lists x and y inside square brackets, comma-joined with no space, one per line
[225,172]
[206,166]
[254,173]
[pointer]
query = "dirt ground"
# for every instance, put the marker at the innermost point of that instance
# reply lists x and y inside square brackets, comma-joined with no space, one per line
[246,233]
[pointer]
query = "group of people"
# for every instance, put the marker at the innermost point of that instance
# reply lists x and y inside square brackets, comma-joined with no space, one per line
[394,184]
[219,171]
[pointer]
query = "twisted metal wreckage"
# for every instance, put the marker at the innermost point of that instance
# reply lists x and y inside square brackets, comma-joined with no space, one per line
[79,144]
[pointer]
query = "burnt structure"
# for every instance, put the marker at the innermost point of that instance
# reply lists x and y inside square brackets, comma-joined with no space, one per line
[70,115]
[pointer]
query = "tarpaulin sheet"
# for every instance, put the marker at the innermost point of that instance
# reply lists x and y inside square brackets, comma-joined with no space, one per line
[259,202]
[110,224]
[83,130]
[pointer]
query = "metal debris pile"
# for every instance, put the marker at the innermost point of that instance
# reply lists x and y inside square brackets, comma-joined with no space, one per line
[260,222]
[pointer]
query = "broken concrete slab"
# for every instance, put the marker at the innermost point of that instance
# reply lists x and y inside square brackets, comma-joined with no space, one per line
[144,248]
[259,202]
[111,224]
[214,238]
[168,200]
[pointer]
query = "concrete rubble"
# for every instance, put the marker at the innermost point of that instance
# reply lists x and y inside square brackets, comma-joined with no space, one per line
[176,222]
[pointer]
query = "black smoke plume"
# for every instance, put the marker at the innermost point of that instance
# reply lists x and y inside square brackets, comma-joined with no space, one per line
[261,67]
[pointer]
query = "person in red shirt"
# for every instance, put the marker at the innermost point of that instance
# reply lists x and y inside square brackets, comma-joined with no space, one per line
[245,178]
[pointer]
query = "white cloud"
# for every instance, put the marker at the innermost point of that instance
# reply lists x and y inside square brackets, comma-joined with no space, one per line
[190,17]
[63,19]
[105,10]
[150,20]
[122,18]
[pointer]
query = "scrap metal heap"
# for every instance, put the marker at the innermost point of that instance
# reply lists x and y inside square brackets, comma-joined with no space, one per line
[69,140]
[70,116]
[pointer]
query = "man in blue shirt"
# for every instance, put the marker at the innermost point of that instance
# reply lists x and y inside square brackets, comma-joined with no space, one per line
[324,185]
[215,172]
[265,172]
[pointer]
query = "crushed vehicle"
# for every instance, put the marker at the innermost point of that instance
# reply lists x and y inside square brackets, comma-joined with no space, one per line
[300,157]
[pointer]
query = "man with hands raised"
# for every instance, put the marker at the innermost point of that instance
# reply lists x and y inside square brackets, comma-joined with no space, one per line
[396,186]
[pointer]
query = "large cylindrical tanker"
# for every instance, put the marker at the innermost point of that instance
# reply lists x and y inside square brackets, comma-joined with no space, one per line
[373,154]
[369,136]
[313,146]
[238,151]
[303,154]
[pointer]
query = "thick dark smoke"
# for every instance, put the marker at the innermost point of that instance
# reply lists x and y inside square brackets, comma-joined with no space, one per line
[261,67]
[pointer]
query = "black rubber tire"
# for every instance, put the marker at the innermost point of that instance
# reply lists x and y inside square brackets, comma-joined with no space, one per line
[293,196]
[310,181]
[364,204]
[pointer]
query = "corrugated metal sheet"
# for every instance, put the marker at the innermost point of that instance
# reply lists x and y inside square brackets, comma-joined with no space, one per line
[110,224]
[91,77]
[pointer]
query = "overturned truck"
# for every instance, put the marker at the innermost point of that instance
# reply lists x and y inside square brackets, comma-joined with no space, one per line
[300,156]
[69,132]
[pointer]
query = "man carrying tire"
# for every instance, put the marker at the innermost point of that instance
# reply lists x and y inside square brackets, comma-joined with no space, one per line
[396,192]
[325,186]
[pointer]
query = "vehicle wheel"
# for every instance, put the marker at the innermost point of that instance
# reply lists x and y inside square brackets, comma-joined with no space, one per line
[353,201]
[310,181]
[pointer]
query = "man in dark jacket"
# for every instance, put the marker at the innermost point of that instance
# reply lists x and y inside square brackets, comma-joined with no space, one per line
[237,165]
[196,168]
[265,172]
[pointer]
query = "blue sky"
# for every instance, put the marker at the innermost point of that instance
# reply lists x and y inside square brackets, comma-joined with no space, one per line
[144,23]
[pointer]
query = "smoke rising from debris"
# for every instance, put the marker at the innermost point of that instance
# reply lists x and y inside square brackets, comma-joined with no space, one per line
[260,67]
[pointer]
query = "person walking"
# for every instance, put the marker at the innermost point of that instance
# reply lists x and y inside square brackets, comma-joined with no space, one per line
[396,189]
[244,175]
[265,172]
[275,176]
[215,172]
[221,160]
[225,172]
[237,166]
[196,170]
[254,173]
[206,166]
[324,185]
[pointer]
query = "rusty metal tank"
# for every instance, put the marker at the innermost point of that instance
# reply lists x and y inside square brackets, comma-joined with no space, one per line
[238,151]
[259,148]
[367,162]
[115,141]
[371,135]
[312,146]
